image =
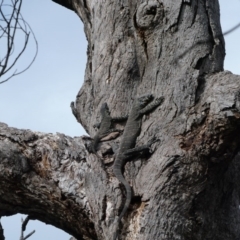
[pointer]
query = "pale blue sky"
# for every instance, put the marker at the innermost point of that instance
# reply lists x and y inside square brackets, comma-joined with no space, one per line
[39,99]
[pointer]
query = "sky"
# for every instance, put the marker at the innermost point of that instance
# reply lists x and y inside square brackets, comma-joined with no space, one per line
[39,99]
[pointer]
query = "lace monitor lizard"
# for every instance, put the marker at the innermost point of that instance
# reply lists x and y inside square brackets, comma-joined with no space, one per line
[141,106]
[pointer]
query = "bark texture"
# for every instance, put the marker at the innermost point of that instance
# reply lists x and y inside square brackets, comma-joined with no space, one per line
[188,188]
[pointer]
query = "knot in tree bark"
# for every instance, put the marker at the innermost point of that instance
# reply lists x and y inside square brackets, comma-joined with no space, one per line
[149,14]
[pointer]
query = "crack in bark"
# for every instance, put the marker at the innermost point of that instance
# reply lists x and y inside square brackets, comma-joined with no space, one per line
[195,13]
[200,88]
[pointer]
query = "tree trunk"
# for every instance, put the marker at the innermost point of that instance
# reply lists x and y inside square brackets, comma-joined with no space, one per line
[187,189]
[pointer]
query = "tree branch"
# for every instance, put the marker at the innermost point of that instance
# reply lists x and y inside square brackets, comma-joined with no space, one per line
[44,176]
[24,225]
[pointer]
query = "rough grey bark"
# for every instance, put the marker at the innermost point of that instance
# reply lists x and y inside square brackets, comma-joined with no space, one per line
[188,188]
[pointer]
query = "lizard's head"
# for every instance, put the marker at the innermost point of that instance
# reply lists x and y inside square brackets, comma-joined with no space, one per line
[104,109]
[143,100]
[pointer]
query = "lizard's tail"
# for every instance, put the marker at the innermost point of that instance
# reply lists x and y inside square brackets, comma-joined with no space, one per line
[119,175]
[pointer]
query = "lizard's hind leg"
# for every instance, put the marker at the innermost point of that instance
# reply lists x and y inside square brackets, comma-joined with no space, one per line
[140,149]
